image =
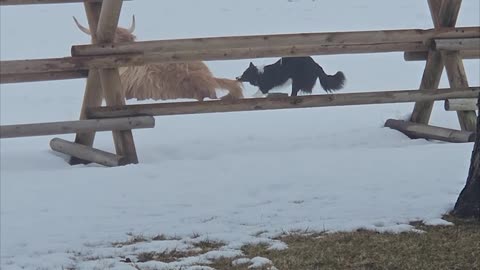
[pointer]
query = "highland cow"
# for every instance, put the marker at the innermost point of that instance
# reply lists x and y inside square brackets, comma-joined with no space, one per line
[190,80]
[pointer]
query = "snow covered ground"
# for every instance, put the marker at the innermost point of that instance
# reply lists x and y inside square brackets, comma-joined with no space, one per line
[238,178]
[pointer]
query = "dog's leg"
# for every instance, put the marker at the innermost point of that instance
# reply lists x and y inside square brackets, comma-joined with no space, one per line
[295,90]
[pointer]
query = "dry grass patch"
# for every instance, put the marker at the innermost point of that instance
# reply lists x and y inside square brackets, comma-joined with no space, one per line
[138,238]
[441,247]
[167,256]
[208,245]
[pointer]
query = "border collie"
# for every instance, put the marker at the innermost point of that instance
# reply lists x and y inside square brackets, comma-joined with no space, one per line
[303,71]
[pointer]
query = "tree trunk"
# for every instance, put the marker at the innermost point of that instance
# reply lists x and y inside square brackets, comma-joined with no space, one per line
[468,202]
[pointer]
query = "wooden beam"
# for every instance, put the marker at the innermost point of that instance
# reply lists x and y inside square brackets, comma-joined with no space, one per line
[421,56]
[472,44]
[44,76]
[434,6]
[464,104]
[93,89]
[108,21]
[229,53]
[33,2]
[417,131]
[377,37]
[281,102]
[448,13]
[430,80]
[443,16]
[66,127]
[226,53]
[110,77]
[458,79]
[83,152]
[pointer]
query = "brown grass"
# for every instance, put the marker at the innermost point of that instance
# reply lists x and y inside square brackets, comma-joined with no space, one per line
[174,255]
[440,247]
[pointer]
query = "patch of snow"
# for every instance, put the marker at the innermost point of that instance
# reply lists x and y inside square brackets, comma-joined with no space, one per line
[437,222]
[258,262]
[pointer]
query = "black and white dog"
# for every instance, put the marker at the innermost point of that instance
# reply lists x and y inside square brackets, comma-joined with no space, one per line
[303,71]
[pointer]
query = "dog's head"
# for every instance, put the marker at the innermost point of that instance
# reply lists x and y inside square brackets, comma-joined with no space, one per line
[251,75]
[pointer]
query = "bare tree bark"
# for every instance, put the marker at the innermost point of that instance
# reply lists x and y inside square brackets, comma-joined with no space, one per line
[468,202]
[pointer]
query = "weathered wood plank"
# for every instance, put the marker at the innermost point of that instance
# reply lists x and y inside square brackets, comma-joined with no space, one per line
[472,44]
[443,15]
[421,56]
[34,2]
[430,80]
[44,76]
[66,127]
[434,6]
[93,89]
[272,103]
[448,13]
[458,79]
[108,20]
[377,37]
[227,53]
[417,131]
[87,153]
[464,104]
[110,77]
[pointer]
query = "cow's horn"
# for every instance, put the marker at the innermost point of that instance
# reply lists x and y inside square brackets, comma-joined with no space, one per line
[81,27]
[132,27]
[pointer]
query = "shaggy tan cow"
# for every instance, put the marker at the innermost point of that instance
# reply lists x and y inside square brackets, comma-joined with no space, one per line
[169,80]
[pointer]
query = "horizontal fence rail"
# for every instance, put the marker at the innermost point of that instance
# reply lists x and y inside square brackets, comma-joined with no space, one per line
[43,76]
[272,103]
[228,48]
[420,56]
[375,37]
[457,44]
[65,127]
[33,2]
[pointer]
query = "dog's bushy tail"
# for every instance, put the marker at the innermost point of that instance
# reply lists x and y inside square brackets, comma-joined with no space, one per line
[233,87]
[331,83]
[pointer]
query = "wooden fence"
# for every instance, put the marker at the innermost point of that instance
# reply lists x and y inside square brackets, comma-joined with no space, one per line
[445,45]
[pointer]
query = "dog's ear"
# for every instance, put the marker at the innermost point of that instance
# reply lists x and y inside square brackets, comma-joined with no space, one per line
[251,65]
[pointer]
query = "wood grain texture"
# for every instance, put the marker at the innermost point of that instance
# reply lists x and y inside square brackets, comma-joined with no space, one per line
[66,127]
[416,131]
[87,153]
[281,102]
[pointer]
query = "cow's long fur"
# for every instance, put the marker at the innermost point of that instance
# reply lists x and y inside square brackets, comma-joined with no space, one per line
[192,80]
[175,80]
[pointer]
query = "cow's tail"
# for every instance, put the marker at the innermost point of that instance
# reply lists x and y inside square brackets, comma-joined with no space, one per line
[233,87]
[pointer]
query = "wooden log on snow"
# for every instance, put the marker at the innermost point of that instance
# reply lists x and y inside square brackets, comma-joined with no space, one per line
[280,102]
[65,127]
[87,153]
[417,131]
[422,56]
[463,104]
